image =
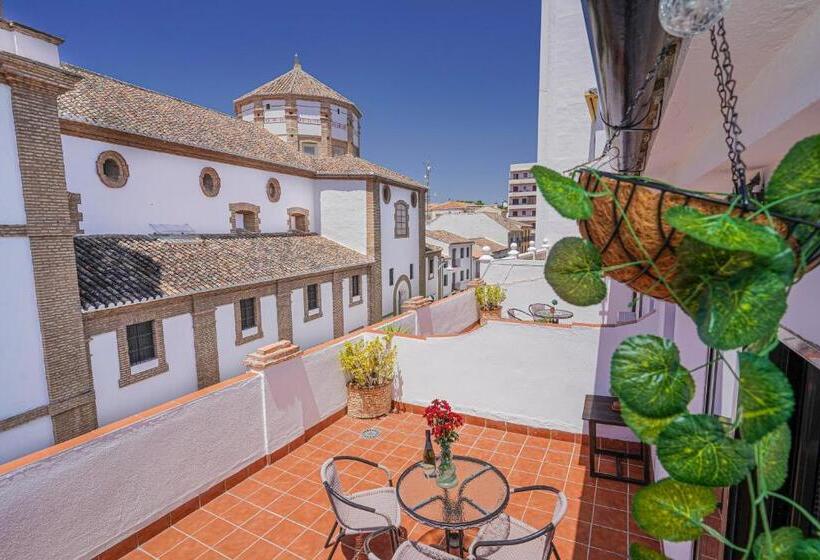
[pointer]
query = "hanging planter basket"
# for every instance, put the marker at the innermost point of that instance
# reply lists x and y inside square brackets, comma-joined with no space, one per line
[645,202]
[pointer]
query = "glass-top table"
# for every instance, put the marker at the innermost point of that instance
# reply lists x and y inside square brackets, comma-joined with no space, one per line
[481,494]
[548,313]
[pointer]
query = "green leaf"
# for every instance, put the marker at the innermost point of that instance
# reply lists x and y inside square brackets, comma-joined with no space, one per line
[724,231]
[573,269]
[807,549]
[799,171]
[695,449]
[563,194]
[741,309]
[766,396]
[672,510]
[772,452]
[647,376]
[638,551]
[784,541]
[647,429]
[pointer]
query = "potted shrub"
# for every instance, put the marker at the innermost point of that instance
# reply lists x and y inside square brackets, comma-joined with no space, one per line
[369,368]
[489,298]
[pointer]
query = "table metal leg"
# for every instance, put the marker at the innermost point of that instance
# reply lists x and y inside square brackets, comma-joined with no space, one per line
[454,540]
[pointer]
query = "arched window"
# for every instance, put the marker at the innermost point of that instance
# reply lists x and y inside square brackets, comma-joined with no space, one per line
[401,219]
[112,169]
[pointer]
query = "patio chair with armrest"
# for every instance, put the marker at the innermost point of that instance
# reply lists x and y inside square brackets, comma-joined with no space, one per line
[363,512]
[408,550]
[519,314]
[507,538]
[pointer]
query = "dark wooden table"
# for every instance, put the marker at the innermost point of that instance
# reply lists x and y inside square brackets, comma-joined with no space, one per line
[598,410]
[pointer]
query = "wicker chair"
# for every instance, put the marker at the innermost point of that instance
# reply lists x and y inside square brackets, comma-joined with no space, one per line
[408,550]
[507,538]
[519,314]
[362,512]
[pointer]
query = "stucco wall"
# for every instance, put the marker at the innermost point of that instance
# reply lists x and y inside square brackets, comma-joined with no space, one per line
[231,354]
[12,210]
[115,402]
[342,212]
[398,253]
[164,189]
[803,314]
[315,331]
[471,225]
[450,315]
[25,45]
[77,503]
[355,316]
[26,438]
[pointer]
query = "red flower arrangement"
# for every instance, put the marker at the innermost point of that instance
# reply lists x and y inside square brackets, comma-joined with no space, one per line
[443,422]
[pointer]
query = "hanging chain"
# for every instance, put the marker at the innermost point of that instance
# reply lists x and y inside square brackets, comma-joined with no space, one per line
[728,108]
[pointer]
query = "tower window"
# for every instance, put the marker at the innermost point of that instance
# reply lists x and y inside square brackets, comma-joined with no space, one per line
[401,219]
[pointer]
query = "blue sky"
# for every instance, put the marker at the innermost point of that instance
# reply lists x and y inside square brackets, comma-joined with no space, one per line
[452,81]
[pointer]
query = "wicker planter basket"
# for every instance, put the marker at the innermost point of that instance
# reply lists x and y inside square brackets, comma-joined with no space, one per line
[369,402]
[644,203]
[487,314]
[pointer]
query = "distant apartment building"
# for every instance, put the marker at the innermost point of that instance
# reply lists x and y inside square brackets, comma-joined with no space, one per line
[522,194]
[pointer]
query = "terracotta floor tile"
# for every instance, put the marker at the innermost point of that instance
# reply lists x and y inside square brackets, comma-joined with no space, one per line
[570,550]
[608,539]
[186,550]
[137,555]
[240,513]
[284,505]
[608,498]
[245,488]
[221,504]
[529,465]
[261,550]
[533,452]
[235,543]
[194,522]
[308,544]
[261,523]
[610,517]
[163,542]
[284,533]
[214,532]
[306,514]
[264,496]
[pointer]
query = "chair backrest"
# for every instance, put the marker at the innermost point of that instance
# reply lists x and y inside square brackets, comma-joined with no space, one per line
[519,314]
[351,516]
[509,538]
[537,308]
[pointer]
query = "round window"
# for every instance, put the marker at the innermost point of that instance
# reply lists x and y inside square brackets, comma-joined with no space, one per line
[112,169]
[386,193]
[209,181]
[414,199]
[273,190]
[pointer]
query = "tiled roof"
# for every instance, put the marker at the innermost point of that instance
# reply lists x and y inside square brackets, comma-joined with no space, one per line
[352,165]
[480,242]
[297,82]
[509,224]
[110,103]
[449,205]
[118,269]
[431,249]
[446,236]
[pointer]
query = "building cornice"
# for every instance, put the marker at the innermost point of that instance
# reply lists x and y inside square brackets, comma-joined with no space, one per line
[28,73]
[30,31]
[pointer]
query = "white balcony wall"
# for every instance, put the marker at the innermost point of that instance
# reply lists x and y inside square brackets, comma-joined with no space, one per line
[232,354]
[115,402]
[164,189]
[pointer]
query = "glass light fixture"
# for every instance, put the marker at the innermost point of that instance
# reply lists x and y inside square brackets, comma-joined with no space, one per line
[686,18]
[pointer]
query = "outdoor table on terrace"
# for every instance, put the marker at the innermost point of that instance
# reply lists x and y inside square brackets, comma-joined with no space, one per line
[543,312]
[482,494]
[598,410]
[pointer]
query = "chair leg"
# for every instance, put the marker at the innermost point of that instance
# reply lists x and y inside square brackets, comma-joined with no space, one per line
[336,542]
[554,550]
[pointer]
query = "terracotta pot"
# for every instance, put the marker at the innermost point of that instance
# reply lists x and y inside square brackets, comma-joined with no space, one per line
[487,314]
[644,203]
[369,402]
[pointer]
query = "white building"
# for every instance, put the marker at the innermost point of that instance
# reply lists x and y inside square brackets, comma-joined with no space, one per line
[461,262]
[150,244]
[489,225]
[522,194]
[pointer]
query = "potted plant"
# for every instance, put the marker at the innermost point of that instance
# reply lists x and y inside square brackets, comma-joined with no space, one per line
[369,368]
[489,298]
[730,268]
[444,424]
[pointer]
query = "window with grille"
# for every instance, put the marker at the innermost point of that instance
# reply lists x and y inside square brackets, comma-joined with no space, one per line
[401,219]
[411,271]
[445,279]
[140,342]
[313,297]
[391,276]
[356,286]
[247,313]
[461,275]
[430,264]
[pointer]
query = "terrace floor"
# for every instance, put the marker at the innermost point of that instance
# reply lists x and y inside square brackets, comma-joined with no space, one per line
[282,512]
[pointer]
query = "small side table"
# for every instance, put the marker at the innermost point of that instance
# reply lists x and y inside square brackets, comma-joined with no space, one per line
[598,410]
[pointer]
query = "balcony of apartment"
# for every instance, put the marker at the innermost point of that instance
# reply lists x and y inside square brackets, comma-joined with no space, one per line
[232,471]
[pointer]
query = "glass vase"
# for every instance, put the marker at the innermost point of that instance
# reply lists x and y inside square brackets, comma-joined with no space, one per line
[446,469]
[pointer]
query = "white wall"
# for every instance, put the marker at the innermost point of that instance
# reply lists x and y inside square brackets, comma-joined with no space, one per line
[164,189]
[433,277]
[231,354]
[315,331]
[563,120]
[12,210]
[115,402]
[26,438]
[398,254]
[803,314]
[83,500]
[25,45]
[341,215]
[22,376]
[448,316]
[355,316]
[338,117]
[471,225]
[309,110]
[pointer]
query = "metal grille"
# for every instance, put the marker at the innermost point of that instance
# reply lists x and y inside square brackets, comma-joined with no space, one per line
[247,312]
[140,342]
[313,296]
[371,433]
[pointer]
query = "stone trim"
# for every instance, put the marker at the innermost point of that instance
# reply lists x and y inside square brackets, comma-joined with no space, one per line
[273,189]
[396,233]
[284,314]
[216,183]
[74,201]
[396,284]
[23,418]
[237,315]
[297,211]
[121,163]
[250,214]
[270,355]
[128,378]
[312,316]
[374,249]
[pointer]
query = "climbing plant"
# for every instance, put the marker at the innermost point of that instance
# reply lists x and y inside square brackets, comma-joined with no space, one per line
[733,274]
